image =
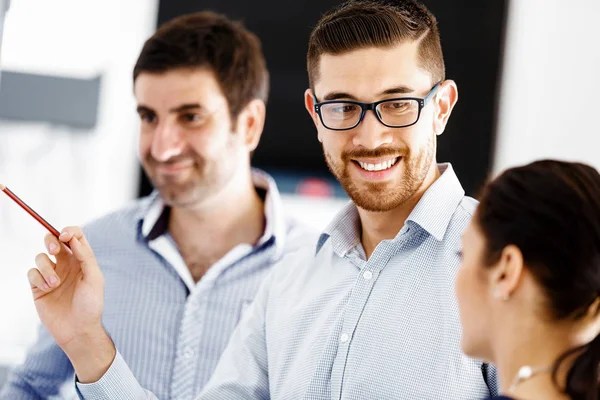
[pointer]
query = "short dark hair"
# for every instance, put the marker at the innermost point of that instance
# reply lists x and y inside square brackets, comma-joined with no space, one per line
[357,24]
[550,210]
[210,40]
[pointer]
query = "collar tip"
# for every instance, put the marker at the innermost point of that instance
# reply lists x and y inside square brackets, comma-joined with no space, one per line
[439,236]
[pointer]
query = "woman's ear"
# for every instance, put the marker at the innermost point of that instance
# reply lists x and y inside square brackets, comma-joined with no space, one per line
[507,272]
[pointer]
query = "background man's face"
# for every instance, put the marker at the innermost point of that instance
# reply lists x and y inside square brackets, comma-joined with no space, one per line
[187,146]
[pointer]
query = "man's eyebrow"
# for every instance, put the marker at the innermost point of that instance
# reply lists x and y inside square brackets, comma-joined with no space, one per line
[185,107]
[400,89]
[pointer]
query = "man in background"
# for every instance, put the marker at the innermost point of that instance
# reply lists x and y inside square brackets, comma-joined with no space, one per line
[181,265]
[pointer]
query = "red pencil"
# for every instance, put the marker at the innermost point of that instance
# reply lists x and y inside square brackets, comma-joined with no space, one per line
[29,210]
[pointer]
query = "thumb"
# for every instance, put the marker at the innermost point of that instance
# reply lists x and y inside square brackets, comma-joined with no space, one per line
[84,254]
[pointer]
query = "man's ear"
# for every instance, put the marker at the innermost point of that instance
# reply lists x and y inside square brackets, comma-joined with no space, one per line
[251,121]
[309,104]
[444,100]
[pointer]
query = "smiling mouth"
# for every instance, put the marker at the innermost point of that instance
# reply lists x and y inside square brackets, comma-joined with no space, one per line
[381,166]
[176,167]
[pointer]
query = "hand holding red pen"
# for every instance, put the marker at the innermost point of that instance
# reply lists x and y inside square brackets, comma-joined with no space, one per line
[68,294]
[69,297]
[70,305]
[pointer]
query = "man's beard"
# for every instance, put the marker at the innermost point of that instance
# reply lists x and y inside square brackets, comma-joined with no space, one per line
[381,196]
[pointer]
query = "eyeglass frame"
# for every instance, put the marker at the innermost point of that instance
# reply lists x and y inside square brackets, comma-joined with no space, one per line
[373,106]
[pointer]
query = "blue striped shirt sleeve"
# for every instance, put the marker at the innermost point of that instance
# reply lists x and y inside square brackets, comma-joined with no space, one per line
[45,370]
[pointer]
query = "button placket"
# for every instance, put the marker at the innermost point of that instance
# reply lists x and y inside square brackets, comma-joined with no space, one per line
[360,296]
[187,356]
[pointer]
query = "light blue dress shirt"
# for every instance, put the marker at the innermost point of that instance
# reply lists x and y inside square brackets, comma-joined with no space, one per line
[170,330]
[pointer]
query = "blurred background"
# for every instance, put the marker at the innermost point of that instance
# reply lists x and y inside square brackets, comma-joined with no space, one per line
[526,72]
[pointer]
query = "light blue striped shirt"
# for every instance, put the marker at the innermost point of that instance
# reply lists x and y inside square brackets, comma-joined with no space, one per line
[170,330]
[332,325]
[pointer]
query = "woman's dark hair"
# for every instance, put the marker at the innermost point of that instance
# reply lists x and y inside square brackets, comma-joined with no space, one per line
[550,210]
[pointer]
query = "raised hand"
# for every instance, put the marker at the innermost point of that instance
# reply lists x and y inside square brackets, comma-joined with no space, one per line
[69,299]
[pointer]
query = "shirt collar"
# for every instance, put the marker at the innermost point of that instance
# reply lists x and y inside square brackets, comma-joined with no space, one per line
[154,217]
[432,213]
[346,228]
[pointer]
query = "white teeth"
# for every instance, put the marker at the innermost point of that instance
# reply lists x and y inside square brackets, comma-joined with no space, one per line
[378,167]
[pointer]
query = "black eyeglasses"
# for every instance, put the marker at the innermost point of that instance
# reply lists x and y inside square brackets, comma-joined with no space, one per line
[341,115]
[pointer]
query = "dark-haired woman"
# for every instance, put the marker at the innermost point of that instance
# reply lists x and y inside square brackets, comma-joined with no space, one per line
[529,285]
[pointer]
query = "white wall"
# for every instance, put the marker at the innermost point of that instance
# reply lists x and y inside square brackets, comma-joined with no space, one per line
[67,176]
[550,97]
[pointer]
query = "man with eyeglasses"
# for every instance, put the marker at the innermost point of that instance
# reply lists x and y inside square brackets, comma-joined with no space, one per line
[370,312]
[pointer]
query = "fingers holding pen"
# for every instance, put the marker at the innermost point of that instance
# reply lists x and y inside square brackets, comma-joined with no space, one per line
[77,255]
[73,235]
[43,278]
[47,270]
[36,281]
[53,245]
[70,232]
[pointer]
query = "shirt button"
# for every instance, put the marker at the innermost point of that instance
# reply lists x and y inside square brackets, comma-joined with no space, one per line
[344,338]
[189,353]
[368,275]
